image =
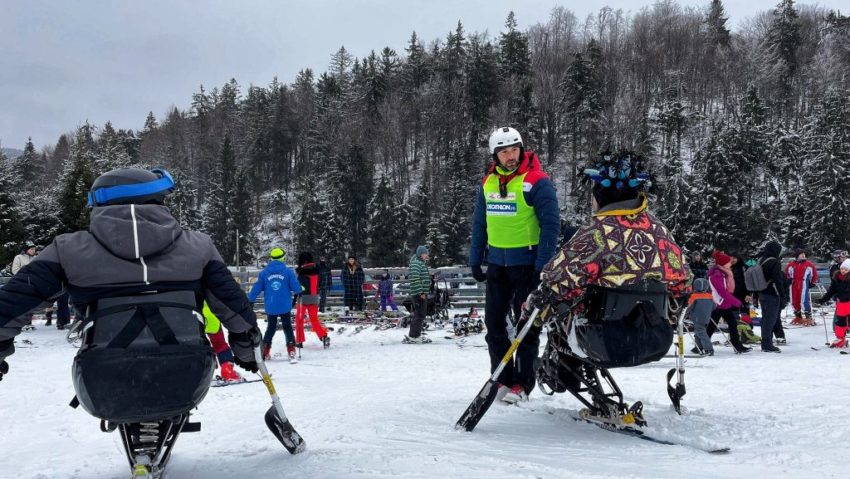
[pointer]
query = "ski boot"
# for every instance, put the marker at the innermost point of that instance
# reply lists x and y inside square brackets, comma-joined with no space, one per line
[290,350]
[807,320]
[840,337]
[798,319]
[228,374]
[326,341]
[267,351]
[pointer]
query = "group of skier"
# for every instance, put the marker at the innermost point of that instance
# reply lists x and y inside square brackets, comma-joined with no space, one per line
[149,269]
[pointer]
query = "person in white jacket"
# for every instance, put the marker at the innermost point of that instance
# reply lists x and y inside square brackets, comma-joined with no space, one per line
[23,259]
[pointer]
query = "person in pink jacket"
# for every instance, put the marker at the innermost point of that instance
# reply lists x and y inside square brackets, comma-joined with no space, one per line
[722,283]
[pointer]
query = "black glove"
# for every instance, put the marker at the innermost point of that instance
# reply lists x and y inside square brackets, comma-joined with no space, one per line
[242,345]
[478,274]
[7,348]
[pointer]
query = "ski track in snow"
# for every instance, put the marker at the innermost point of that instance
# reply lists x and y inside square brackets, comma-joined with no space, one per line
[370,411]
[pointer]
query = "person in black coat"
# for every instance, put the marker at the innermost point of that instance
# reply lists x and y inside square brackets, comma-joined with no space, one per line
[325,282]
[698,266]
[772,299]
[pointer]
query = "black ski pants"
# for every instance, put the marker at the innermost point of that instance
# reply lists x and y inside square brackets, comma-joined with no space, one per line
[507,288]
[420,308]
[731,318]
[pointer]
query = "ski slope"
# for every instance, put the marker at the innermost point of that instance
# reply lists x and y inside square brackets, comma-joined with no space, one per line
[371,407]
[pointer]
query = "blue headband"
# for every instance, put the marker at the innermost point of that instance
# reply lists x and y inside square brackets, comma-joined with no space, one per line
[112,193]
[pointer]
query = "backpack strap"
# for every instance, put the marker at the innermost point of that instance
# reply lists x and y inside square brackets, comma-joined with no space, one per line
[145,315]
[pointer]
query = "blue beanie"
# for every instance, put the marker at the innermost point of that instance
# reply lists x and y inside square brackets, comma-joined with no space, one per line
[420,250]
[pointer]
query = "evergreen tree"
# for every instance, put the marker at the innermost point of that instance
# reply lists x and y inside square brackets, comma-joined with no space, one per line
[782,43]
[218,217]
[11,227]
[28,166]
[183,202]
[242,220]
[77,178]
[310,221]
[827,148]
[387,245]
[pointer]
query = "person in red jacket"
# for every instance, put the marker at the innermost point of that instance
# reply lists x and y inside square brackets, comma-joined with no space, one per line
[308,300]
[803,275]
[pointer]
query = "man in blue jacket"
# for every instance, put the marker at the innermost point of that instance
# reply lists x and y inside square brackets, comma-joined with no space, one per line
[516,221]
[277,283]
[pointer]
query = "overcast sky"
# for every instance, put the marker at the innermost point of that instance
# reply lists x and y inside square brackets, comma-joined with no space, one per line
[64,62]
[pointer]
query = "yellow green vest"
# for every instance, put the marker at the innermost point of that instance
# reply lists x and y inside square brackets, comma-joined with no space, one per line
[511,222]
[213,324]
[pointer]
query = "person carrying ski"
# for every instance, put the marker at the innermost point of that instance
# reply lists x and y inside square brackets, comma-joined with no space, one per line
[417,273]
[839,288]
[516,221]
[277,283]
[308,301]
[141,279]
[222,350]
[385,292]
[803,276]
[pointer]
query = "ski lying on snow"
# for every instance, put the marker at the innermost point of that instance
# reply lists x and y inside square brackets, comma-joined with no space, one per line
[840,351]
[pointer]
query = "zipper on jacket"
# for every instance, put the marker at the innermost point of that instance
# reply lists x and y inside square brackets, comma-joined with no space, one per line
[136,244]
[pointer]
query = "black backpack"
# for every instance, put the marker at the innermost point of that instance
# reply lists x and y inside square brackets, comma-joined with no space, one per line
[625,326]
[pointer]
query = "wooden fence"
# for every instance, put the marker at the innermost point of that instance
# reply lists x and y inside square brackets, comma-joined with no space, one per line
[464,290]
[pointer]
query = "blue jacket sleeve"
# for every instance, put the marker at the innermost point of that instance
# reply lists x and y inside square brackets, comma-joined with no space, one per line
[294,284]
[258,287]
[479,230]
[544,199]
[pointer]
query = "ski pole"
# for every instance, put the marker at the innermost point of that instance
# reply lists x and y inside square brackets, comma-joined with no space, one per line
[676,393]
[276,419]
[717,326]
[485,397]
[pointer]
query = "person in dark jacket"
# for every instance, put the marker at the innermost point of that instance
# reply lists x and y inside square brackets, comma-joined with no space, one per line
[325,282]
[133,253]
[308,301]
[516,220]
[773,299]
[700,306]
[698,266]
[352,277]
[385,293]
[839,288]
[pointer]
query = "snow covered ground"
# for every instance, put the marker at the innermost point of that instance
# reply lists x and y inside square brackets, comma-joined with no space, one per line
[371,407]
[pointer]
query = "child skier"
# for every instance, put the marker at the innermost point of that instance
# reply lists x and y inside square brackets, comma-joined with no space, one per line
[803,275]
[700,306]
[840,289]
[385,292]
[277,283]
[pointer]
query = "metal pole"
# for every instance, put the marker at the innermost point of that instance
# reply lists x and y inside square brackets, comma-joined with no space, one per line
[237,248]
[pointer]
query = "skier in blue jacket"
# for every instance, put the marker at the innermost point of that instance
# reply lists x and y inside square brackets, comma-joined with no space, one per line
[278,283]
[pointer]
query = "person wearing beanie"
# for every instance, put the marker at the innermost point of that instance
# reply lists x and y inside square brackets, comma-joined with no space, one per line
[621,247]
[839,288]
[308,302]
[277,283]
[722,283]
[420,284]
[516,222]
[803,276]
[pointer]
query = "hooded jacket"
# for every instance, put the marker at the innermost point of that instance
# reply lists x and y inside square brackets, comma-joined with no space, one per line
[538,193]
[772,269]
[128,249]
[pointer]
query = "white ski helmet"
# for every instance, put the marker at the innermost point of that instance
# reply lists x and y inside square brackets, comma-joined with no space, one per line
[505,136]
